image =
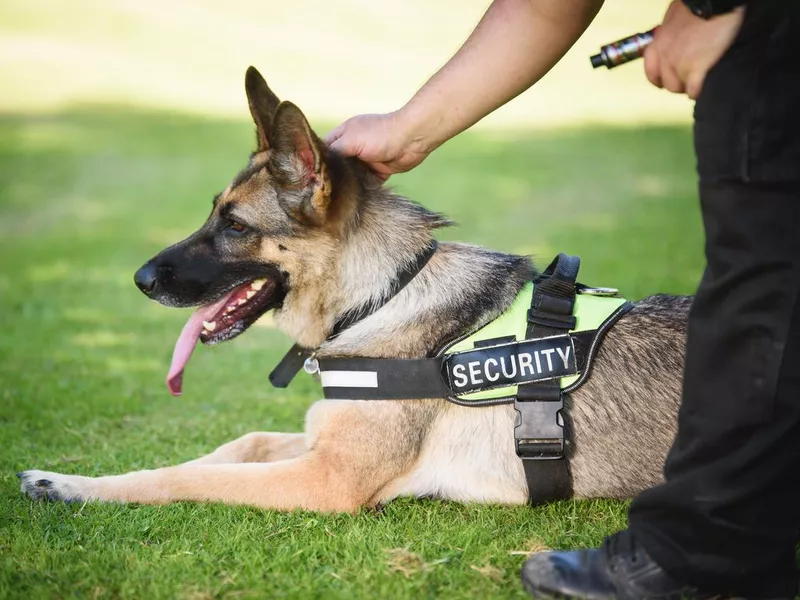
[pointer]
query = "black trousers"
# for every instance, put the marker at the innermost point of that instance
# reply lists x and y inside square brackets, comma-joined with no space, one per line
[728,516]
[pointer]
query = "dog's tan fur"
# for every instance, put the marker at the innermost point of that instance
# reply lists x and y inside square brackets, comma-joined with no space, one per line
[341,237]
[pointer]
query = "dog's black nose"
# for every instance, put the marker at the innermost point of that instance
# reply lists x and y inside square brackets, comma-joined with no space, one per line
[145,278]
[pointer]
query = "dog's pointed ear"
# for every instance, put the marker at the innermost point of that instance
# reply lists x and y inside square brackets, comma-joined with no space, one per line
[298,156]
[263,103]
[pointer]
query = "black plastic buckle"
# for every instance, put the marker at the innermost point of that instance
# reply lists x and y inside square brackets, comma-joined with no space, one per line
[539,430]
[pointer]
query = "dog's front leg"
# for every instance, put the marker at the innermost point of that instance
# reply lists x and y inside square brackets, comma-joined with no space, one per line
[356,450]
[307,482]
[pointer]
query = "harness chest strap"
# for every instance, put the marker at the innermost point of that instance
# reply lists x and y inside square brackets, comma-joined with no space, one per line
[494,365]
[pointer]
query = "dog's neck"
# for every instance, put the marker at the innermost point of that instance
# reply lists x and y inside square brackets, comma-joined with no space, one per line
[460,285]
[391,235]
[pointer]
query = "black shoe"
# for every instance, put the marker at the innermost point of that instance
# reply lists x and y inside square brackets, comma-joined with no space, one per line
[619,569]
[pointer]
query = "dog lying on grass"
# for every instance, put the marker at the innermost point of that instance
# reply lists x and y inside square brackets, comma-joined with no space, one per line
[312,235]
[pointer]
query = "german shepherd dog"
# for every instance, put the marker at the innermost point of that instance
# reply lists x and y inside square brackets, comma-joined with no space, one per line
[312,235]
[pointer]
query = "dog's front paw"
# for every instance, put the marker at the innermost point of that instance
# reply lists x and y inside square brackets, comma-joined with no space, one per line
[53,487]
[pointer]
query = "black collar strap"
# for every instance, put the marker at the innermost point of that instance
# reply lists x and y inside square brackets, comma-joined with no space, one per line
[403,278]
[294,360]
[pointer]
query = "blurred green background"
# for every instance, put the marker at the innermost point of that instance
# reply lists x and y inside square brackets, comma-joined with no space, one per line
[120,119]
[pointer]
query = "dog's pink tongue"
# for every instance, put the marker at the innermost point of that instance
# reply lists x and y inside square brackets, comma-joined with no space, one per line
[186,343]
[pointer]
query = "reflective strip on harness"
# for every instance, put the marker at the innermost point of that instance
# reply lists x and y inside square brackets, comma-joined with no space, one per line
[352,379]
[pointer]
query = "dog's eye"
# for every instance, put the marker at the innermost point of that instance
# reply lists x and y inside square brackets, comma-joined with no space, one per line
[237,227]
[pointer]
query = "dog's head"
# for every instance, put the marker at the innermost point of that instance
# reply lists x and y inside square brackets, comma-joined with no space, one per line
[269,231]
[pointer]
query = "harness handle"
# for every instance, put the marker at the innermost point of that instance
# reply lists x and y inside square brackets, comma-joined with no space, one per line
[553,299]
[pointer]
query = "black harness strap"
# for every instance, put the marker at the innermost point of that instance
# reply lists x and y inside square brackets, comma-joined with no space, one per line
[294,360]
[289,366]
[421,378]
[539,431]
[384,378]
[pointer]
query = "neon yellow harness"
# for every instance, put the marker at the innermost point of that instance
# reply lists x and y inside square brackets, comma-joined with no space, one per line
[591,312]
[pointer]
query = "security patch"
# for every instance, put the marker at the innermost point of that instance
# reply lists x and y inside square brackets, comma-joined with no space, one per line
[511,364]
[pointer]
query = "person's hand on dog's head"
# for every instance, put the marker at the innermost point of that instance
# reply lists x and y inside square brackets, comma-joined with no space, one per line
[384,141]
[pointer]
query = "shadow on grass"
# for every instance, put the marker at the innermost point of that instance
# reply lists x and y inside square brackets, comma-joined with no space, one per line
[87,195]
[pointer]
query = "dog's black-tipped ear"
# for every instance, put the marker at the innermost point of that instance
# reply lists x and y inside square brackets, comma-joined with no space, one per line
[263,103]
[298,156]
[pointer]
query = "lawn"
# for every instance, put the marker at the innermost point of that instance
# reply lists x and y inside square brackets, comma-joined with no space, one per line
[87,195]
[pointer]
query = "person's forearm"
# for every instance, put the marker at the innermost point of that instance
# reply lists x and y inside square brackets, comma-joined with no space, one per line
[515,44]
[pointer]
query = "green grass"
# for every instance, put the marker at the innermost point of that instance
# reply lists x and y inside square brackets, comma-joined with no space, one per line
[86,196]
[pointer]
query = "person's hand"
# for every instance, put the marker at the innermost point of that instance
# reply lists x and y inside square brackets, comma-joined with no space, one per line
[686,47]
[385,142]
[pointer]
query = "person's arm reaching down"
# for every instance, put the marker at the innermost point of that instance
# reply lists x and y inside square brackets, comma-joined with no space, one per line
[515,44]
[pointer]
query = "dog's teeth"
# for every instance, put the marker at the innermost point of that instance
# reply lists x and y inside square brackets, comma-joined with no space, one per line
[250,294]
[242,301]
[209,325]
[258,284]
[230,308]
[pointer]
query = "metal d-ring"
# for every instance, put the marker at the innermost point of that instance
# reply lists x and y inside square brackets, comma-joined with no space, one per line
[598,291]
[311,365]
